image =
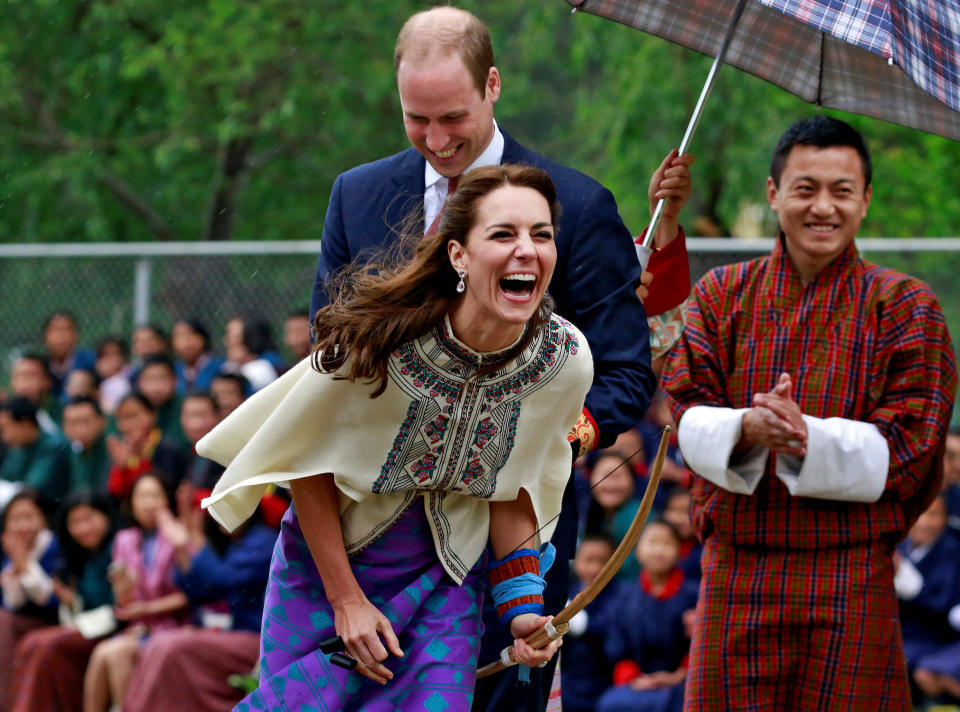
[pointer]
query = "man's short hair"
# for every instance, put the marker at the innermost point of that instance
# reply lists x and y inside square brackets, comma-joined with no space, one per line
[468,36]
[20,410]
[822,132]
[85,400]
[238,379]
[109,340]
[40,359]
[159,360]
[60,313]
[94,376]
[201,395]
[197,327]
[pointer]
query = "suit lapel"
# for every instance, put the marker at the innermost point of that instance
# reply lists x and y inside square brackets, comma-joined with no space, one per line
[513,152]
[408,191]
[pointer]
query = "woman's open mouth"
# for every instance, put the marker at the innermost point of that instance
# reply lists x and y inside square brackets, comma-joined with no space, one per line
[518,286]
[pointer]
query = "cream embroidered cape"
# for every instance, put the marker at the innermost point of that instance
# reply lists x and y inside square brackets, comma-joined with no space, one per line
[432,432]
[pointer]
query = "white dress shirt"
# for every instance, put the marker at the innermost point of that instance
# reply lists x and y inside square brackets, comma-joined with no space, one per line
[435,185]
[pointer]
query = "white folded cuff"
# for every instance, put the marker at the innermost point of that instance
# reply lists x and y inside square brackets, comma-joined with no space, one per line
[908,582]
[847,460]
[954,617]
[707,437]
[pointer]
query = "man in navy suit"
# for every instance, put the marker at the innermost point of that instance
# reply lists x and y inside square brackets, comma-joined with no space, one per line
[448,85]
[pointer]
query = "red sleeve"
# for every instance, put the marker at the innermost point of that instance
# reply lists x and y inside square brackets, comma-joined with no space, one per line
[915,389]
[670,268]
[121,479]
[625,672]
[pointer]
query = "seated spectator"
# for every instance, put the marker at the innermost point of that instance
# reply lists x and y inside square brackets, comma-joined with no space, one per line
[584,682]
[650,646]
[937,674]
[81,383]
[198,417]
[140,448]
[50,662]
[195,365]
[187,669]
[247,343]
[148,340]
[30,378]
[35,458]
[114,370]
[31,558]
[85,428]
[927,583]
[144,592]
[951,479]
[296,335]
[60,339]
[157,381]
[229,390]
[613,503]
[678,515]
[632,444]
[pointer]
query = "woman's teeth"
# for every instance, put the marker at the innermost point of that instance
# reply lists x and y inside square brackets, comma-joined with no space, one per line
[518,283]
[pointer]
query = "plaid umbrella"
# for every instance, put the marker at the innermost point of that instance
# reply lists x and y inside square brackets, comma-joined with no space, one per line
[897,60]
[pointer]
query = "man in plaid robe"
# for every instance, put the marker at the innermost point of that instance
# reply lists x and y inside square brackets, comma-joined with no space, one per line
[813,392]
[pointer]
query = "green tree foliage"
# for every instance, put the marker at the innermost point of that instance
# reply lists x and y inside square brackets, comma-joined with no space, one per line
[226,119]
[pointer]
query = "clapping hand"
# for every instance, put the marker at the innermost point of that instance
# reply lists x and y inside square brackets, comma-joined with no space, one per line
[16,550]
[119,450]
[775,421]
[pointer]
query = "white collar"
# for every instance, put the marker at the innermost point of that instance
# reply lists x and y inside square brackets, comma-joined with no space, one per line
[492,155]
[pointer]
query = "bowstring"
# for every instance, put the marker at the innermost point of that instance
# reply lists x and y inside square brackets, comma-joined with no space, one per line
[625,461]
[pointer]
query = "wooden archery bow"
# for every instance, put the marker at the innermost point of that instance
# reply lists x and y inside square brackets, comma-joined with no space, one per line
[561,622]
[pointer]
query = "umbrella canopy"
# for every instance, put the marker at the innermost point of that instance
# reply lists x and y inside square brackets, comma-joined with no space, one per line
[897,60]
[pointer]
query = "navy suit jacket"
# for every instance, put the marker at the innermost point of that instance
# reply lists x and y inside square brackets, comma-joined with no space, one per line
[593,284]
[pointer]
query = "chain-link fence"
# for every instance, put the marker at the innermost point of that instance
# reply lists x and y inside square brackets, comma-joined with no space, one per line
[110,288]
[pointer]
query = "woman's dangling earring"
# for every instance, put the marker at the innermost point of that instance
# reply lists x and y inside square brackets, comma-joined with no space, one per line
[461,285]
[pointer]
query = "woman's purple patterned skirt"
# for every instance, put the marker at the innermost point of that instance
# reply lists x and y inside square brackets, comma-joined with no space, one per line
[437,622]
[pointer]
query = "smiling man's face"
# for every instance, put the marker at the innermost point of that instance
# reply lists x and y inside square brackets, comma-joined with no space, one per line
[821,201]
[446,117]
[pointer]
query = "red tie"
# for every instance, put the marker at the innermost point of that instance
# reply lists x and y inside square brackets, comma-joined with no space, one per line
[451,189]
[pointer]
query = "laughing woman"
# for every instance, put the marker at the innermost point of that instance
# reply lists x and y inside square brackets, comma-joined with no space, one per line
[431,419]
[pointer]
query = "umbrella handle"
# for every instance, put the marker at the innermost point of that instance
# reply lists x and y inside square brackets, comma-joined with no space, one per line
[695,119]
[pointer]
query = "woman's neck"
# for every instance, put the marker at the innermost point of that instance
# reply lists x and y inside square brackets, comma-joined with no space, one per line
[483,335]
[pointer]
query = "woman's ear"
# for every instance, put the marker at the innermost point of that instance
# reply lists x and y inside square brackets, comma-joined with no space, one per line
[456,253]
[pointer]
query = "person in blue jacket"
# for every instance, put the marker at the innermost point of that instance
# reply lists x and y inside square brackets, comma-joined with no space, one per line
[589,677]
[927,583]
[29,562]
[448,86]
[649,643]
[225,577]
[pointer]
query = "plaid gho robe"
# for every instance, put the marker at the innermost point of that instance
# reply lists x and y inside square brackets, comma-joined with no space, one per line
[797,608]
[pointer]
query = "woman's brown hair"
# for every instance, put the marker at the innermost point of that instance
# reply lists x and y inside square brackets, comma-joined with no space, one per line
[400,296]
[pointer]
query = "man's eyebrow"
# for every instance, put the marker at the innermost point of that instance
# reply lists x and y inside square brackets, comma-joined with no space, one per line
[811,179]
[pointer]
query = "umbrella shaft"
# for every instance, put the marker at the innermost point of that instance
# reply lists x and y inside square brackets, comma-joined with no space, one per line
[698,112]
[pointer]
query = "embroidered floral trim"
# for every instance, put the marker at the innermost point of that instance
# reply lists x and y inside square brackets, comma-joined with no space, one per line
[426,453]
